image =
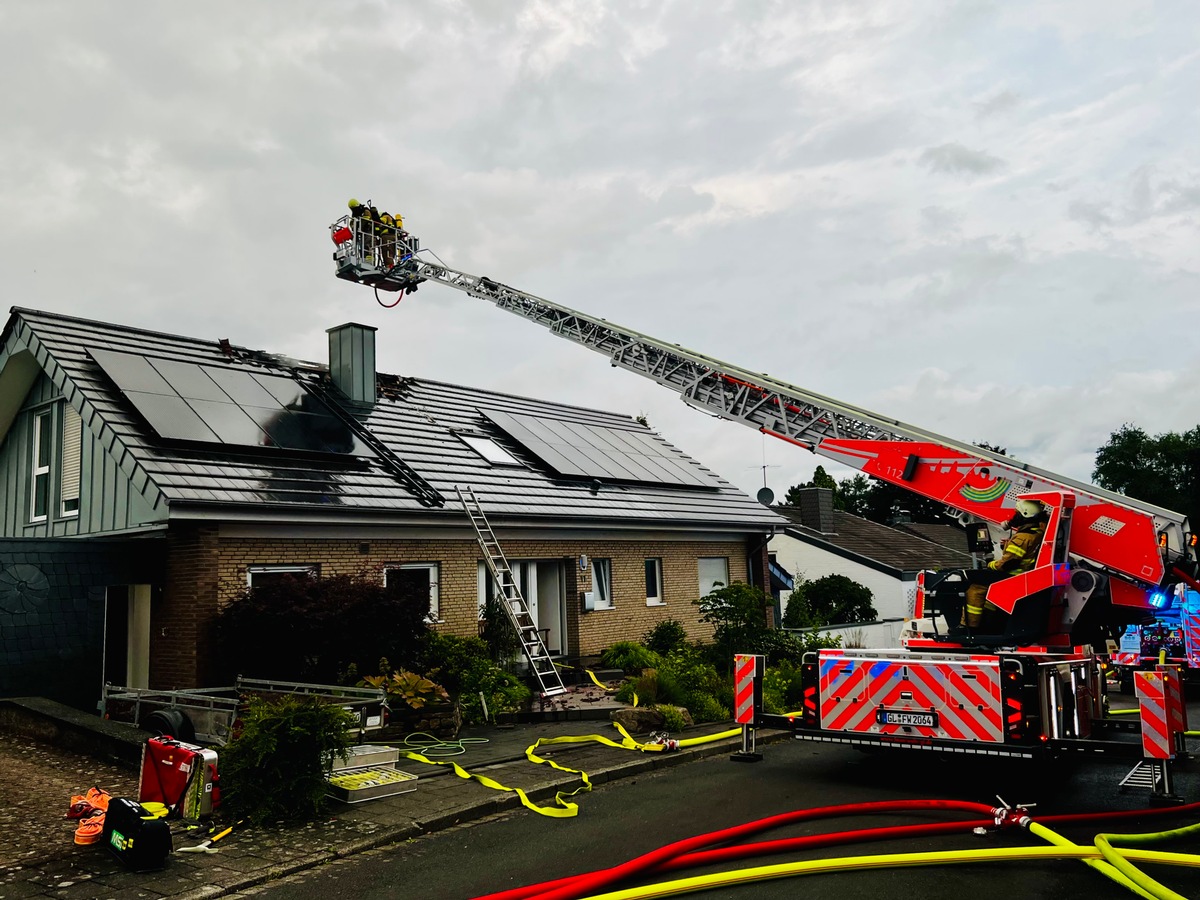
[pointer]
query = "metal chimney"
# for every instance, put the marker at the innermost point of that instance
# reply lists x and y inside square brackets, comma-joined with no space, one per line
[352,361]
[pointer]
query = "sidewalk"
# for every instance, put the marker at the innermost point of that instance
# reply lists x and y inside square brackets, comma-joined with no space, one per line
[253,856]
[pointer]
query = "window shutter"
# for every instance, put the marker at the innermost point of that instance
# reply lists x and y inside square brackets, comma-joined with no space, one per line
[71,453]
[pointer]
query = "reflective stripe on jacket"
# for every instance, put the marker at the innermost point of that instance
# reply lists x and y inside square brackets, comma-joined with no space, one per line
[1020,550]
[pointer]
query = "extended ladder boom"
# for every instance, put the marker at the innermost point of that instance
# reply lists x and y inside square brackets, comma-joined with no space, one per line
[980,482]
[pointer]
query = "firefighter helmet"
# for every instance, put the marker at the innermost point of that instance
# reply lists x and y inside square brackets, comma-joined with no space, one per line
[1028,509]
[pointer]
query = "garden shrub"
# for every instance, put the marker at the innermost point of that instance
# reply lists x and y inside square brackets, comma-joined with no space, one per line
[629,656]
[693,682]
[707,708]
[782,691]
[665,636]
[274,768]
[645,685]
[465,667]
[673,720]
[320,629]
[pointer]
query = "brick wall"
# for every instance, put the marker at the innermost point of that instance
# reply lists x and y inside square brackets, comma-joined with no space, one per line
[588,633]
[181,623]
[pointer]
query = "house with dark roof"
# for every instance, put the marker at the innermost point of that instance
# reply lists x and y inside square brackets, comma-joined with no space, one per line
[820,540]
[199,467]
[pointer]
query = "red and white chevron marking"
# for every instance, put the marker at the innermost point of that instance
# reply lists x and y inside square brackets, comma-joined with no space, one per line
[965,696]
[1157,741]
[746,668]
[1191,638]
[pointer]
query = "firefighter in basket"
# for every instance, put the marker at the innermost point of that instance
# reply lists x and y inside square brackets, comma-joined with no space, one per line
[1018,554]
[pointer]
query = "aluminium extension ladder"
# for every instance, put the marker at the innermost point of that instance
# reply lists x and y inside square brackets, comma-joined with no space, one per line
[514,604]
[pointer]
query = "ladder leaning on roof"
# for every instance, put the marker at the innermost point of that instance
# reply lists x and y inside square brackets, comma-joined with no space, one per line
[514,602]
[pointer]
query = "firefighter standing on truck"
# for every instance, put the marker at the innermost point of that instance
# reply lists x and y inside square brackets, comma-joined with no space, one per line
[1019,553]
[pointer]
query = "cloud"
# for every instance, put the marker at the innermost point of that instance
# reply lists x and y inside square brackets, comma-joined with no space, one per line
[999,102]
[955,159]
[843,195]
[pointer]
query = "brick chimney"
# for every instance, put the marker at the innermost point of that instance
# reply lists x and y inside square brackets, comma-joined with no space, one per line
[352,361]
[816,509]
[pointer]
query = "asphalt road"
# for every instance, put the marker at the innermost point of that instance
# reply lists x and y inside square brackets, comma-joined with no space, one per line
[629,817]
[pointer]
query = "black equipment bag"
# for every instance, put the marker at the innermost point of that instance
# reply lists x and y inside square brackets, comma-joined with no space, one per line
[140,841]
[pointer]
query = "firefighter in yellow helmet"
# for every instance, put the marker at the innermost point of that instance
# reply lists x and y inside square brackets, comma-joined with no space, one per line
[1018,554]
[363,228]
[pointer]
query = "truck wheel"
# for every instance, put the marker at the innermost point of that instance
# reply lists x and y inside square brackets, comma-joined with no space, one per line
[171,721]
[1126,681]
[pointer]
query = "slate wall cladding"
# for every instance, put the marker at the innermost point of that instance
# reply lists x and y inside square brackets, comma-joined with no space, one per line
[52,613]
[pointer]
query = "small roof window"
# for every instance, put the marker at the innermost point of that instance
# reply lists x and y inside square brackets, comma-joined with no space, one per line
[489,449]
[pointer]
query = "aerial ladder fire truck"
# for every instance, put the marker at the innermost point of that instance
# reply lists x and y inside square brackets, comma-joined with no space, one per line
[1035,685]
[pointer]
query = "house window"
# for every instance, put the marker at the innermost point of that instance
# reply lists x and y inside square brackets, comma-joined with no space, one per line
[654,592]
[259,576]
[602,583]
[39,498]
[489,449]
[713,572]
[416,578]
[72,449]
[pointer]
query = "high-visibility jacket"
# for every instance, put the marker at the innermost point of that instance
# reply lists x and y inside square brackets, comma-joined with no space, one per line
[1020,550]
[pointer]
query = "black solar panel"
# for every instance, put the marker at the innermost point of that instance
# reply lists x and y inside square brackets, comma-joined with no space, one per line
[191,402]
[579,449]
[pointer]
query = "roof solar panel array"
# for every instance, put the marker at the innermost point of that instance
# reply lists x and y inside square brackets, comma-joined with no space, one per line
[585,450]
[186,401]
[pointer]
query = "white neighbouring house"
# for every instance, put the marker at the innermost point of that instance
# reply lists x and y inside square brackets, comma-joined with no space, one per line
[824,541]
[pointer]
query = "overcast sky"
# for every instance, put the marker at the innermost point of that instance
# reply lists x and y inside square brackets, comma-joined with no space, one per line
[978,217]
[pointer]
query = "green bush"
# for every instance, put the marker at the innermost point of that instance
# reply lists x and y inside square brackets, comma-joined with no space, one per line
[629,656]
[686,678]
[673,720]
[790,646]
[274,768]
[645,685]
[782,691]
[665,636]
[464,666]
[831,600]
[707,708]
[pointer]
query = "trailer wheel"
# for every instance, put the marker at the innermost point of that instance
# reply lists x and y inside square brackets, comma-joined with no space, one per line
[171,721]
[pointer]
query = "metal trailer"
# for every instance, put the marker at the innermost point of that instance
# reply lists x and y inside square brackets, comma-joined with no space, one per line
[210,713]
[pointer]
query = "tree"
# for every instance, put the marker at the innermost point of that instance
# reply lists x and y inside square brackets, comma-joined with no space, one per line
[831,600]
[1164,469]
[738,614]
[820,478]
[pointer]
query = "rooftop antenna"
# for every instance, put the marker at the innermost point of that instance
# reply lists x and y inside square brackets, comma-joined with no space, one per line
[765,495]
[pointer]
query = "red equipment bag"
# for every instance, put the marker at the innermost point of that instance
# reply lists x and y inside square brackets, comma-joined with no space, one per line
[181,776]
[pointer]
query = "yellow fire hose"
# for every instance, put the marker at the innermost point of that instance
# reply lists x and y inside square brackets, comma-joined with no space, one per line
[564,807]
[881,861]
[1119,858]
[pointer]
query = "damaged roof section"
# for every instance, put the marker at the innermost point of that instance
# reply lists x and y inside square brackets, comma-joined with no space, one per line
[217,426]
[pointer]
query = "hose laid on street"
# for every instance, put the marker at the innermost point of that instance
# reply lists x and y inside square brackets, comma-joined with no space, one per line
[686,858]
[1119,858]
[893,860]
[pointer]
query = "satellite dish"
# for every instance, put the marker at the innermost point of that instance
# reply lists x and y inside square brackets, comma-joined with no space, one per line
[766,496]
